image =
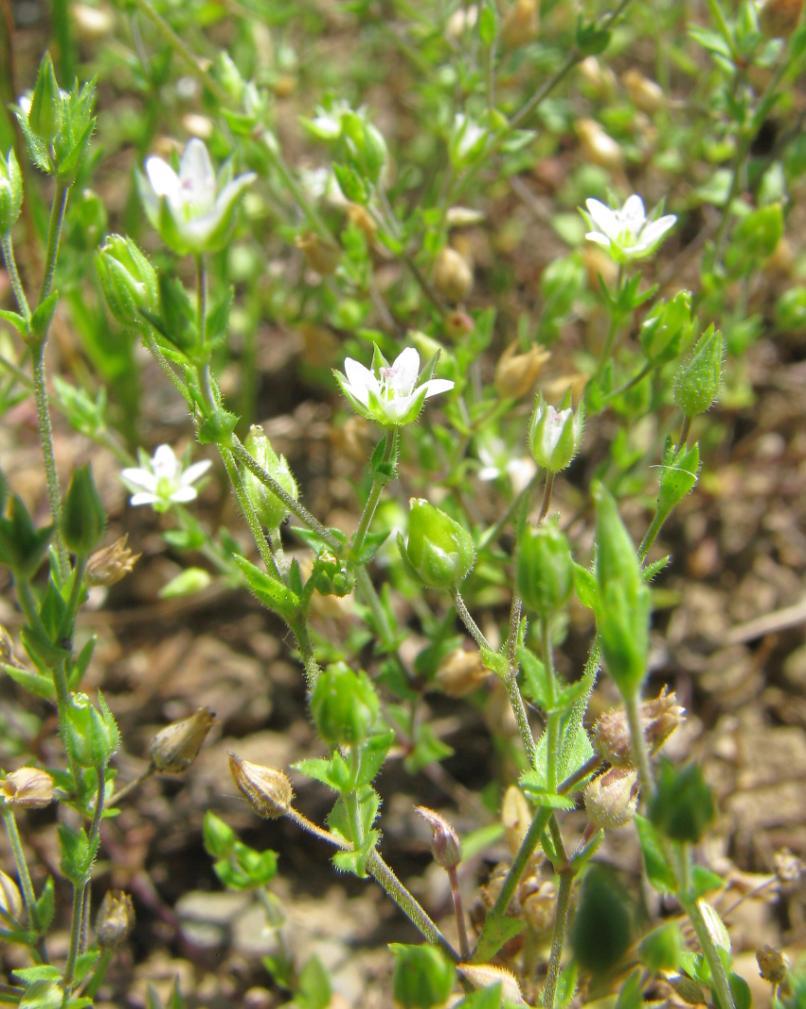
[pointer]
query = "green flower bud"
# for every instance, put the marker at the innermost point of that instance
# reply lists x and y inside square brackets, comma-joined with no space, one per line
[697,382]
[344,705]
[544,569]
[623,605]
[10,191]
[22,546]
[128,280]
[365,144]
[44,114]
[83,515]
[438,549]
[423,977]
[678,477]
[682,806]
[91,733]
[554,435]
[667,328]
[270,509]
[601,932]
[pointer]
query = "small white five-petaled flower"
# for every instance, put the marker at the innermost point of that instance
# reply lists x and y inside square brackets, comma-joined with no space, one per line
[389,393]
[192,209]
[161,481]
[625,233]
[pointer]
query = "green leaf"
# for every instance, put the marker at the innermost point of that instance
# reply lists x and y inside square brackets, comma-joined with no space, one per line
[373,754]
[658,869]
[40,320]
[35,683]
[704,881]
[488,25]
[487,998]
[269,591]
[313,988]
[14,319]
[585,586]
[495,934]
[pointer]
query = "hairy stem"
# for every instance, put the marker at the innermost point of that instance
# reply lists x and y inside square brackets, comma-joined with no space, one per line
[561,913]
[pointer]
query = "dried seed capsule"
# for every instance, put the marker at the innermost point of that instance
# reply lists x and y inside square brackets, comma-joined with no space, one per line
[461,672]
[109,565]
[515,373]
[175,747]
[10,898]
[611,799]
[453,275]
[267,790]
[115,919]
[28,788]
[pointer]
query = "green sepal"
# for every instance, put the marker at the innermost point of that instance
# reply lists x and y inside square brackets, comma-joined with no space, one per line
[495,934]
[217,428]
[270,591]
[77,853]
[219,838]
[22,546]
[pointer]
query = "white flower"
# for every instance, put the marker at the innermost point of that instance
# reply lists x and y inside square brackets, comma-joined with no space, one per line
[497,461]
[192,210]
[554,435]
[389,394]
[161,481]
[626,234]
[326,124]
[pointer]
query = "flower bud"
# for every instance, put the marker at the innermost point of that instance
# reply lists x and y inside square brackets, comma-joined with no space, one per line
[554,435]
[83,515]
[267,790]
[645,94]
[599,77]
[423,977]
[111,564]
[115,919]
[175,747]
[363,220]
[598,146]
[697,382]
[682,807]
[321,256]
[438,549]
[660,716]
[445,844]
[772,965]
[460,673]
[623,606]
[519,26]
[778,19]
[515,373]
[453,276]
[128,280]
[544,569]
[344,705]
[27,788]
[10,899]
[90,732]
[516,816]
[92,23]
[611,799]
[45,109]
[458,324]
[10,191]
[270,509]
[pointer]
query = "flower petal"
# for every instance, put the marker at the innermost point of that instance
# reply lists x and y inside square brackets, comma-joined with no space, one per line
[655,230]
[603,217]
[360,379]
[164,462]
[599,239]
[139,479]
[633,213]
[196,172]
[402,376]
[434,386]
[183,494]
[194,472]
[143,498]
[163,179]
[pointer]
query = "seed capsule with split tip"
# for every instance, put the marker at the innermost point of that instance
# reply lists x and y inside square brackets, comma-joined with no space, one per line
[267,790]
[175,747]
[115,919]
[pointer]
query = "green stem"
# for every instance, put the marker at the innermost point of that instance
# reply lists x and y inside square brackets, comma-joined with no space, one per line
[249,513]
[132,785]
[291,503]
[651,535]
[458,910]
[632,705]
[561,913]
[495,531]
[309,663]
[512,688]
[553,716]
[183,52]
[383,875]
[520,862]
[55,225]
[166,367]
[473,628]
[48,455]
[18,854]
[718,975]
[379,481]
[14,276]
[80,914]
